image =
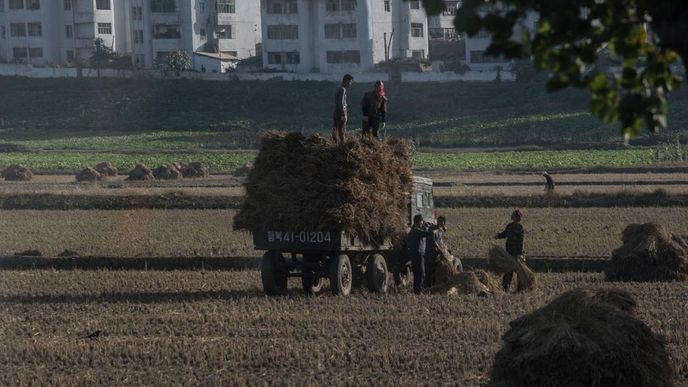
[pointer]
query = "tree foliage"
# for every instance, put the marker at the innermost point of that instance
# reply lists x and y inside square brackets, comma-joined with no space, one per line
[622,51]
[178,61]
[102,54]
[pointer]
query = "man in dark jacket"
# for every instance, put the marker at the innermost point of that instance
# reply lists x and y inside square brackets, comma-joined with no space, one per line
[416,241]
[374,106]
[514,242]
[341,113]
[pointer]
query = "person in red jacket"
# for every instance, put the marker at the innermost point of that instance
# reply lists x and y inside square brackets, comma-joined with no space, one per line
[374,106]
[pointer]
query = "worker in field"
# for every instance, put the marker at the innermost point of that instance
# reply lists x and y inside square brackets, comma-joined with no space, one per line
[549,183]
[374,106]
[514,243]
[340,115]
[433,253]
[416,241]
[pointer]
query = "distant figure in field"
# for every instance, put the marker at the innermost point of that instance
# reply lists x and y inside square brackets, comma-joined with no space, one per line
[549,183]
[340,115]
[514,243]
[374,106]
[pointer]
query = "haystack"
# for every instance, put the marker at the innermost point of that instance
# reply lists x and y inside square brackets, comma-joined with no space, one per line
[195,169]
[167,172]
[17,173]
[141,172]
[649,253]
[311,183]
[445,268]
[501,262]
[582,338]
[89,174]
[106,169]
[466,283]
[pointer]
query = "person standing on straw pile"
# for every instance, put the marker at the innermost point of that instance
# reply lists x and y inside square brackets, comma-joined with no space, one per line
[416,241]
[374,105]
[340,115]
[514,243]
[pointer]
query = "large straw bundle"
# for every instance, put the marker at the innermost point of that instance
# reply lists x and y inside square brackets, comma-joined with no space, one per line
[89,174]
[475,282]
[167,172]
[18,173]
[649,253]
[501,262]
[311,183]
[106,168]
[141,172]
[582,338]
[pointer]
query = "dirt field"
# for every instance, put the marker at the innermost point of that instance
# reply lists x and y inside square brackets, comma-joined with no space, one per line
[215,328]
[208,233]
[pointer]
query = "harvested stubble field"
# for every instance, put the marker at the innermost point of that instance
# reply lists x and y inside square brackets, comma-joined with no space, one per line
[215,328]
[190,233]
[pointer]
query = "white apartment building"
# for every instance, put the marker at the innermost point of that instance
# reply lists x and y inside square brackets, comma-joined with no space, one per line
[58,31]
[336,36]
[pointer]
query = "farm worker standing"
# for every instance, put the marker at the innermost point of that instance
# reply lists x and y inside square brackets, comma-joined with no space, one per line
[374,105]
[340,115]
[415,241]
[549,183]
[514,243]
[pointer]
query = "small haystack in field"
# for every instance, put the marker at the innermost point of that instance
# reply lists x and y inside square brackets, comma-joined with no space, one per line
[89,174]
[649,253]
[310,183]
[106,169]
[141,172]
[167,172]
[17,173]
[501,262]
[195,169]
[582,338]
[475,282]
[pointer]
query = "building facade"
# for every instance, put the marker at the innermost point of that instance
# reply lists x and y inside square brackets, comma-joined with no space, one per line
[334,36]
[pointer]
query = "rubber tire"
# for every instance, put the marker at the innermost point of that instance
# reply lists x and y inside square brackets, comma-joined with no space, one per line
[311,285]
[274,279]
[341,275]
[376,274]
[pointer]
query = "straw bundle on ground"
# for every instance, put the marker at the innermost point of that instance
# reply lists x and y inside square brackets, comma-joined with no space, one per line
[311,183]
[167,172]
[466,283]
[89,174]
[501,262]
[141,172]
[106,169]
[195,169]
[445,267]
[582,338]
[649,253]
[17,173]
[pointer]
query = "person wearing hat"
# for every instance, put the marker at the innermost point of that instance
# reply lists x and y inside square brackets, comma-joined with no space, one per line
[416,241]
[374,106]
[514,243]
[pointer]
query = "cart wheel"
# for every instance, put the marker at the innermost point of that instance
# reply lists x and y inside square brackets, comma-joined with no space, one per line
[273,273]
[341,275]
[376,273]
[312,284]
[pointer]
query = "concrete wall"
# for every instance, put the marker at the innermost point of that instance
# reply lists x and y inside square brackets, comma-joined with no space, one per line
[469,76]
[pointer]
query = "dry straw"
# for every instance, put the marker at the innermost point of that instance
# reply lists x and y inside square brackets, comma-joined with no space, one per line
[89,174]
[501,262]
[167,172]
[582,338]
[360,186]
[141,172]
[17,173]
[106,168]
[649,253]
[475,282]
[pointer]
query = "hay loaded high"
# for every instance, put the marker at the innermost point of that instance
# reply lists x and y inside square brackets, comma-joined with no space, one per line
[331,211]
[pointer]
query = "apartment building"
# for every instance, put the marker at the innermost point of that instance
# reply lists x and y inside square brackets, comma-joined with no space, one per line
[335,36]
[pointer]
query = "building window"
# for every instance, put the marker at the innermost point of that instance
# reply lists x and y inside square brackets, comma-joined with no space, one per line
[70,55]
[279,32]
[17,30]
[33,4]
[414,4]
[343,57]
[166,31]
[68,7]
[19,52]
[224,31]
[35,29]
[36,52]
[417,30]
[332,31]
[292,58]
[137,13]
[105,28]
[138,36]
[388,7]
[201,6]
[103,4]
[291,7]
[163,6]
[226,6]
[17,4]
[418,54]
[332,5]
[340,31]
[69,31]
[348,5]
[348,31]
[344,5]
